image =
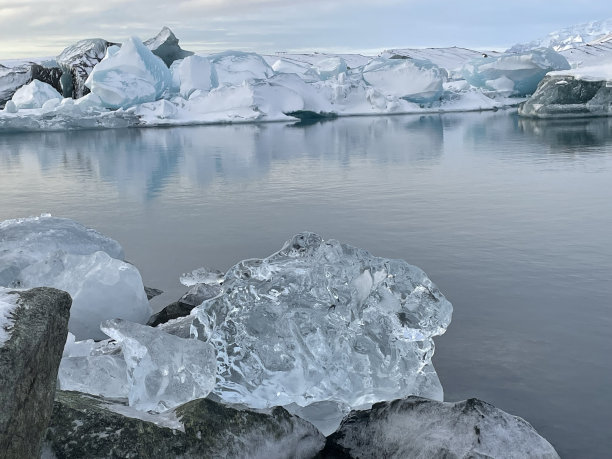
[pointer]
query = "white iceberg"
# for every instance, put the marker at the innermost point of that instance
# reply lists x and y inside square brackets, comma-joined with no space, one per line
[193,73]
[163,371]
[61,253]
[514,74]
[410,79]
[323,321]
[34,95]
[236,67]
[129,76]
[330,67]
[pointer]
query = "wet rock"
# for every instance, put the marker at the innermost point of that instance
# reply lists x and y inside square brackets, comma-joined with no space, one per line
[181,308]
[418,427]
[152,292]
[34,332]
[87,426]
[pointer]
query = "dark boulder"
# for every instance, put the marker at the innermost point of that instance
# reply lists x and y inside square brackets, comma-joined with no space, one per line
[561,96]
[418,427]
[92,427]
[30,353]
[181,308]
[166,46]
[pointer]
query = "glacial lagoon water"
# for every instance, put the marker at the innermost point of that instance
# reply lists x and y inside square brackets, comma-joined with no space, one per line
[511,218]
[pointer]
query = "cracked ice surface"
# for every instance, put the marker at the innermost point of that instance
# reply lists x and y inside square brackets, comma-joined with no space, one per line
[323,321]
[163,371]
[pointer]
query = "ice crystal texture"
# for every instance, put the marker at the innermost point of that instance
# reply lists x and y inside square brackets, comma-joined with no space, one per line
[323,321]
[163,371]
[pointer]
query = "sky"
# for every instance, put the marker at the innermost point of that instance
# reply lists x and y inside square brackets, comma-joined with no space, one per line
[44,27]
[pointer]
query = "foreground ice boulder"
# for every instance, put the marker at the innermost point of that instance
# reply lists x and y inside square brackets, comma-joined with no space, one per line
[420,428]
[578,92]
[513,74]
[33,328]
[414,80]
[61,253]
[163,371]
[323,321]
[85,426]
[34,95]
[129,76]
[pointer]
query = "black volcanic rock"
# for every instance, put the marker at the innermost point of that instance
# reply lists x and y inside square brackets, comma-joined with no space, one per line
[29,361]
[562,96]
[77,61]
[93,427]
[181,308]
[166,46]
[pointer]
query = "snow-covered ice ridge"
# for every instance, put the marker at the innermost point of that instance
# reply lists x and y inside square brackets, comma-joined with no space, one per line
[130,85]
[569,37]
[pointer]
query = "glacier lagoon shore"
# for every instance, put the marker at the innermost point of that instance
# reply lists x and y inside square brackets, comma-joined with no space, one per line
[95,83]
[270,337]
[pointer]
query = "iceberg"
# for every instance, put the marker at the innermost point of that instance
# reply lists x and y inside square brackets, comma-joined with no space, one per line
[323,321]
[11,79]
[129,76]
[163,371]
[61,253]
[513,74]
[193,73]
[77,62]
[236,67]
[414,80]
[330,67]
[34,95]
[585,91]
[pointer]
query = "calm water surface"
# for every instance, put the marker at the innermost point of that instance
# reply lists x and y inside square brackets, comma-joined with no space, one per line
[511,218]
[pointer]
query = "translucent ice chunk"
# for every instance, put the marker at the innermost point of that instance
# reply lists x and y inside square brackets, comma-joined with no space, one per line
[34,95]
[323,321]
[104,375]
[202,276]
[101,288]
[61,253]
[164,371]
[130,76]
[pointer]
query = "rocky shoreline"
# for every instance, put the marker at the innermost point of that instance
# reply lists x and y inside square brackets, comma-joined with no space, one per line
[163,391]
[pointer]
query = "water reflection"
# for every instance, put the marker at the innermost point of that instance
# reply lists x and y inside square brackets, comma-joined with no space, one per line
[569,134]
[142,161]
[510,217]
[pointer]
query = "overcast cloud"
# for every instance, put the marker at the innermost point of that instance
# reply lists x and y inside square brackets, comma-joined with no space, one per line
[45,27]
